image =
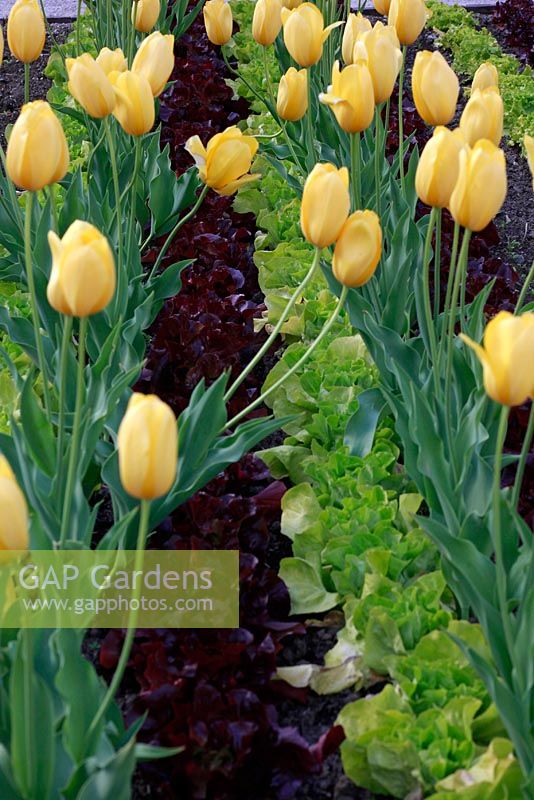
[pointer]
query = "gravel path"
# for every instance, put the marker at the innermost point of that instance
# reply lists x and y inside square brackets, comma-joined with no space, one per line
[55,9]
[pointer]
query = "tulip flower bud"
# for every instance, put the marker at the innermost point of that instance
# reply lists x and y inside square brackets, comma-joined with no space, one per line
[37,152]
[408,17]
[155,61]
[147,15]
[382,6]
[218,21]
[529,147]
[223,165]
[292,3]
[485,77]
[148,447]
[351,96]
[14,523]
[305,34]
[325,204]
[483,116]
[89,85]
[292,100]
[112,60]
[355,25]
[439,167]
[82,281]
[358,249]
[26,31]
[481,186]
[134,108]
[384,59]
[267,21]
[435,88]
[506,358]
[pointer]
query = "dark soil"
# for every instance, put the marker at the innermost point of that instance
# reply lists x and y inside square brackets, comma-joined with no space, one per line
[12,79]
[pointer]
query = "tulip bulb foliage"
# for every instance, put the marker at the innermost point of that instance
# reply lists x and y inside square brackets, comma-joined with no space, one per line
[148,447]
[155,61]
[435,88]
[90,86]
[26,31]
[507,358]
[481,187]
[305,33]
[83,278]
[325,204]
[226,161]
[37,151]
[351,96]
[218,21]
[358,249]
[14,522]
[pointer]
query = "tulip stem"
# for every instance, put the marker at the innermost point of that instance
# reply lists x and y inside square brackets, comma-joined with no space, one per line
[450,338]
[133,186]
[302,360]
[131,37]
[278,327]
[386,125]
[76,432]
[117,190]
[33,296]
[170,238]
[524,290]
[78,32]
[450,281]
[520,474]
[497,533]
[431,332]
[463,316]
[437,265]
[144,520]
[401,120]
[63,364]
[378,157]
[26,83]
[356,169]
[53,207]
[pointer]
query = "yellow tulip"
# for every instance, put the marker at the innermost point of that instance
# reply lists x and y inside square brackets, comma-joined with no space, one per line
[223,165]
[358,249]
[384,59]
[292,3]
[506,358]
[112,60]
[134,107]
[408,17]
[481,186]
[485,76]
[148,447]
[267,21]
[14,523]
[529,147]
[37,152]
[435,88]
[351,96]
[382,6]
[155,61]
[482,118]
[325,204]
[26,32]
[305,34]
[218,20]
[82,281]
[292,99]
[355,25]
[147,15]
[439,167]
[89,85]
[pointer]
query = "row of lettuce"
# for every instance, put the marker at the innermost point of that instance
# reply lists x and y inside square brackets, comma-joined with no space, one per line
[350,517]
